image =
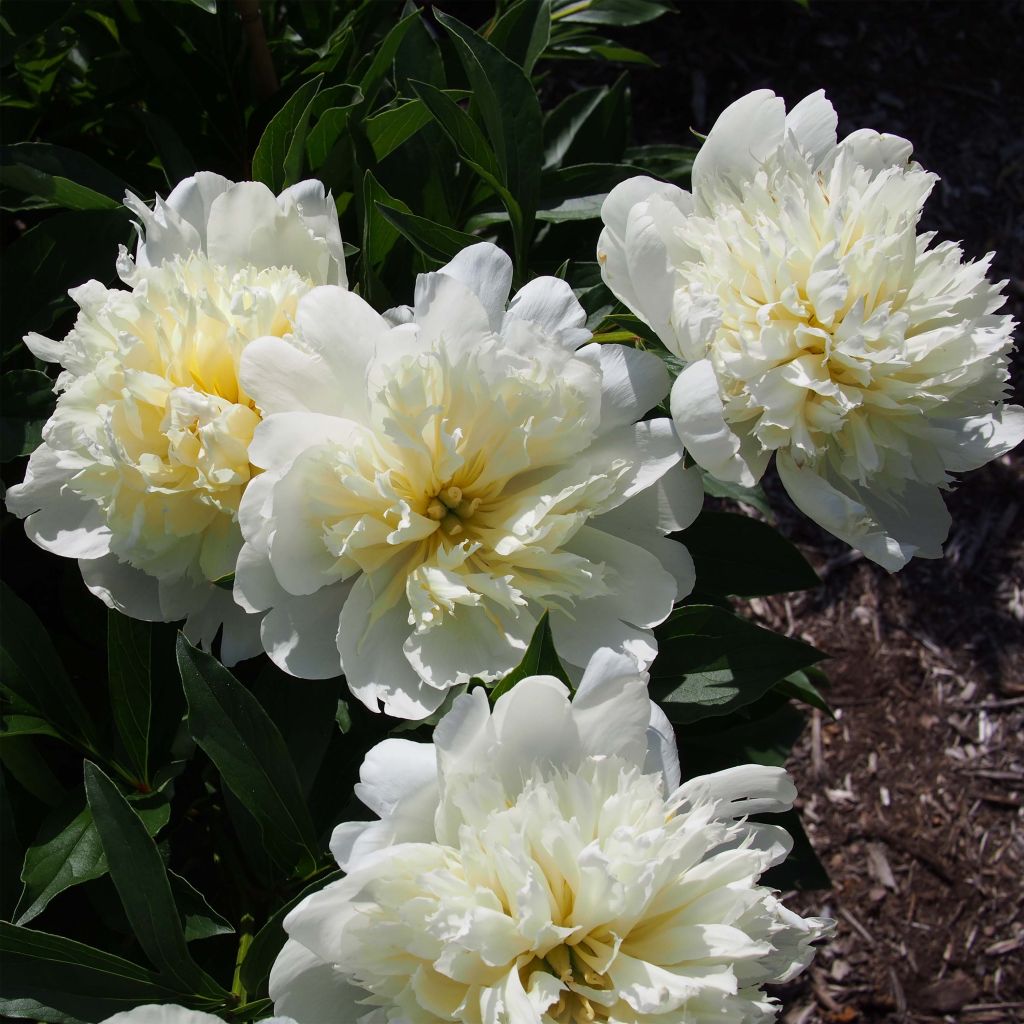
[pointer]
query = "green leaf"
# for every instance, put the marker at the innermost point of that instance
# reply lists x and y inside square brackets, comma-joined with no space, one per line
[68,851]
[30,669]
[384,56]
[752,496]
[611,12]
[130,686]
[59,253]
[801,686]
[389,129]
[523,31]
[435,241]
[802,869]
[199,920]
[140,878]
[253,760]
[54,976]
[711,662]
[22,759]
[737,555]
[26,725]
[759,733]
[59,177]
[331,109]
[468,140]
[510,111]
[540,659]
[175,159]
[267,942]
[669,162]
[277,153]
[379,234]
[27,401]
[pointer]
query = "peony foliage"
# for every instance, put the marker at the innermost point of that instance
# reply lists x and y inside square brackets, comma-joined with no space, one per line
[371,651]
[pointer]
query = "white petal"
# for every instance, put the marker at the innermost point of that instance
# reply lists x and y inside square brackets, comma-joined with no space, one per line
[214,610]
[595,626]
[813,122]
[281,437]
[875,151]
[448,312]
[551,303]
[662,749]
[123,588]
[320,214]
[166,1013]
[192,199]
[393,771]
[311,991]
[487,272]
[375,665]
[533,726]
[745,133]
[611,707]
[482,641]
[741,791]
[281,379]
[301,633]
[632,382]
[984,438]
[56,518]
[699,417]
[461,738]
[46,349]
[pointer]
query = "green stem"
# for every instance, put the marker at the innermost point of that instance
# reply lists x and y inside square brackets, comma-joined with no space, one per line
[244,942]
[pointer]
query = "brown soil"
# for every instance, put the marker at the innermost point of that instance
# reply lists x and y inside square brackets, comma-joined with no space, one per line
[913,797]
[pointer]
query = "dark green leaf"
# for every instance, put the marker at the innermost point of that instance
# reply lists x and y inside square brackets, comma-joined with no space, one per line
[435,241]
[759,733]
[752,496]
[276,146]
[267,942]
[128,679]
[59,177]
[67,851]
[199,920]
[379,234]
[801,686]
[331,109]
[670,162]
[59,253]
[612,12]
[712,662]
[247,748]
[28,767]
[59,978]
[389,129]
[27,400]
[141,881]
[523,31]
[26,725]
[175,159]
[384,56]
[801,869]
[540,659]
[737,555]
[511,114]
[30,669]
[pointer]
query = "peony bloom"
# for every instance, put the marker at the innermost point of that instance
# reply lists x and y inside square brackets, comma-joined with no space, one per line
[817,324]
[145,458]
[541,864]
[437,479]
[170,1013]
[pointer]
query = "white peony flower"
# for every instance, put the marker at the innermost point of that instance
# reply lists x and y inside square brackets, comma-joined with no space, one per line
[145,458]
[438,479]
[170,1013]
[541,864]
[817,324]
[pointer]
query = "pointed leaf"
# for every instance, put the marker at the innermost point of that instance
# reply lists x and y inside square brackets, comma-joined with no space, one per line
[435,241]
[276,144]
[247,748]
[140,878]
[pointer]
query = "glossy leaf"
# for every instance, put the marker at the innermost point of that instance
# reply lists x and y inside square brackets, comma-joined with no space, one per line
[737,555]
[435,241]
[140,878]
[523,31]
[198,919]
[540,659]
[31,669]
[68,850]
[247,748]
[130,686]
[56,176]
[611,12]
[711,662]
[26,401]
[277,145]
[54,978]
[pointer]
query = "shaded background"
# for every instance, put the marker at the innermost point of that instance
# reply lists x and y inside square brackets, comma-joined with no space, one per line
[913,797]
